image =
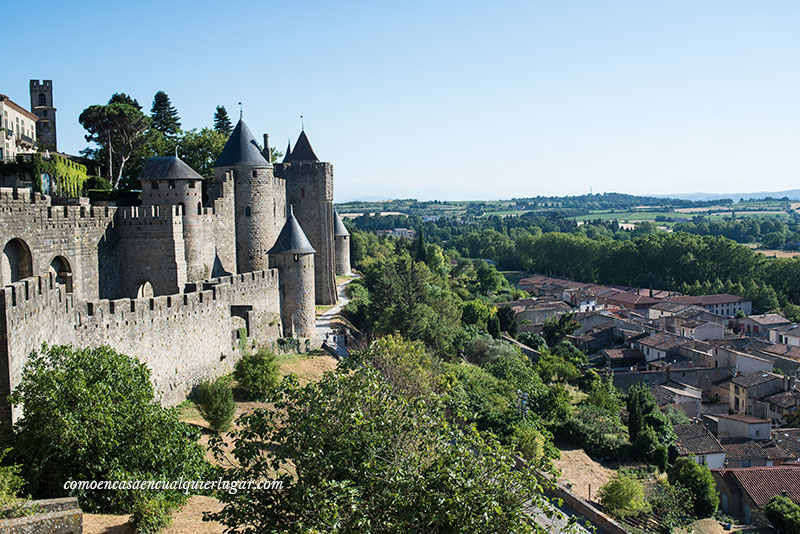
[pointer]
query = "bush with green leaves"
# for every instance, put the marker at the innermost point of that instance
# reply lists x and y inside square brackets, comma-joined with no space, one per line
[215,403]
[258,374]
[600,433]
[623,496]
[151,513]
[699,482]
[672,503]
[783,514]
[485,349]
[534,442]
[11,483]
[91,414]
[369,459]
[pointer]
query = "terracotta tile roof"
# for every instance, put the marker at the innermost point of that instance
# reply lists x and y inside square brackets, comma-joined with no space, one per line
[696,439]
[763,483]
[628,354]
[768,319]
[19,109]
[754,379]
[742,418]
[709,300]
[742,449]
[787,351]
[784,399]
[664,341]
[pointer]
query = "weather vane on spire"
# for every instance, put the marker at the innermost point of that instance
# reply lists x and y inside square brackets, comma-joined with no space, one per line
[240,111]
[302,123]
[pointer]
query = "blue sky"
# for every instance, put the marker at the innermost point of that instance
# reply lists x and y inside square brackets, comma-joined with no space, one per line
[451,100]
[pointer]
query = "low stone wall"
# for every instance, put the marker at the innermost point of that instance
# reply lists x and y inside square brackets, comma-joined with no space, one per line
[583,508]
[58,516]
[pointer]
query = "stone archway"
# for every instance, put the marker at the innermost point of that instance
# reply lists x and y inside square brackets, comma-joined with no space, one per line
[145,290]
[16,262]
[60,267]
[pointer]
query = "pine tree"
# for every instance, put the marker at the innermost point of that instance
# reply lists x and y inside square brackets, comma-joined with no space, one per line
[164,115]
[222,123]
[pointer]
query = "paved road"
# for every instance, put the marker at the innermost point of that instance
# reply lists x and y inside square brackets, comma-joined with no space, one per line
[324,329]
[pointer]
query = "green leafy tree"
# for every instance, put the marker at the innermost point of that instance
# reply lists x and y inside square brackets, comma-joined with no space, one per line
[508,320]
[623,496]
[222,122]
[640,402]
[556,329]
[489,279]
[493,326]
[90,414]
[699,483]
[258,374]
[783,514]
[200,149]
[165,116]
[214,400]
[368,458]
[118,128]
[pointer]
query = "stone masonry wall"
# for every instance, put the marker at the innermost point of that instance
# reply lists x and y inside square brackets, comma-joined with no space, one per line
[309,189]
[78,234]
[183,338]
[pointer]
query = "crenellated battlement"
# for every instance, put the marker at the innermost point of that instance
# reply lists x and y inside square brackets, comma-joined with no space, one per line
[150,214]
[32,295]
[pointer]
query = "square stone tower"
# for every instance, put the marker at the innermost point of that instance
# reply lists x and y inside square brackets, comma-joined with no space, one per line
[42,107]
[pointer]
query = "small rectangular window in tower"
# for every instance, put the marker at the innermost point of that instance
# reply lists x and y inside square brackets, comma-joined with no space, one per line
[255,174]
[154,184]
[191,185]
[172,185]
[247,211]
[297,257]
[302,192]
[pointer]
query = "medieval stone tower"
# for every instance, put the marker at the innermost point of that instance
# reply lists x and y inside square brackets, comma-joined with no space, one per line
[42,107]
[341,238]
[168,181]
[259,199]
[309,188]
[293,256]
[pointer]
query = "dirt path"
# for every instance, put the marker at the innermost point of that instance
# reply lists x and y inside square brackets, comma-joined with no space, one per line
[188,520]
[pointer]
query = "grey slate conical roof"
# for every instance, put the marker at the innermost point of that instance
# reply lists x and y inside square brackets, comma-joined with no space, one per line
[288,155]
[302,149]
[339,229]
[241,149]
[292,239]
[167,168]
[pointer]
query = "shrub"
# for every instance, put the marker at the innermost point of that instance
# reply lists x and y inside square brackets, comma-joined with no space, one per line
[699,483]
[623,496]
[215,402]
[258,374]
[672,503]
[90,414]
[531,440]
[597,431]
[151,514]
[484,349]
[11,483]
[783,514]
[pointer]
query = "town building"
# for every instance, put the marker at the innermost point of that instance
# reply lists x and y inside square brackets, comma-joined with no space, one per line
[18,130]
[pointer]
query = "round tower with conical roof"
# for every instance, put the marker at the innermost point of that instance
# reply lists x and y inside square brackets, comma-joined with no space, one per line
[293,256]
[341,244]
[259,198]
[169,181]
[309,188]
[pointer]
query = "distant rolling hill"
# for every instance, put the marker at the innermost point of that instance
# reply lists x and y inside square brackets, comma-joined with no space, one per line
[792,194]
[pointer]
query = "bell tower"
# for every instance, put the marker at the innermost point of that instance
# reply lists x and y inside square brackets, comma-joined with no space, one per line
[42,107]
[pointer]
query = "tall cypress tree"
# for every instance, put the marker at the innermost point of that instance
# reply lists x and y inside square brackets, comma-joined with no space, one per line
[421,255]
[222,123]
[164,115]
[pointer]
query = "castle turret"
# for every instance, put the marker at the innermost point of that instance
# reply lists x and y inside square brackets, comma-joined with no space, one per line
[259,198]
[293,256]
[168,181]
[309,188]
[341,239]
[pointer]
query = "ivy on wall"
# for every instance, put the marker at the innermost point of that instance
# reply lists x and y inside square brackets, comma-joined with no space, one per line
[68,175]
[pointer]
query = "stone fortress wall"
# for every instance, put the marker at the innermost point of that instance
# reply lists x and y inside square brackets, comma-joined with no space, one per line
[160,282]
[183,338]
